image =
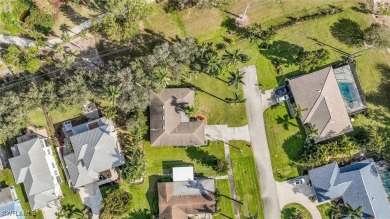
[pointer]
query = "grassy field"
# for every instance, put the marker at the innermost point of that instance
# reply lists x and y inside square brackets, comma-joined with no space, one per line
[63,114]
[288,211]
[161,159]
[245,179]
[325,210]
[225,203]
[285,141]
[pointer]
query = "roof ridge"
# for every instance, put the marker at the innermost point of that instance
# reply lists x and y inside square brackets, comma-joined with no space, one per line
[313,109]
[365,189]
[330,115]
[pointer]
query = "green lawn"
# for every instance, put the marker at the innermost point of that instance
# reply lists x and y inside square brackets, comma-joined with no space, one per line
[289,210]
[71,200]
[37,118]
[225,203]
[285,141]
[162,159]
[65,113]
[210,101]
[245,179]
[325,210]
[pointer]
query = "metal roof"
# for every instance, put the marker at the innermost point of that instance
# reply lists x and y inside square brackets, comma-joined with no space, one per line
[359,184]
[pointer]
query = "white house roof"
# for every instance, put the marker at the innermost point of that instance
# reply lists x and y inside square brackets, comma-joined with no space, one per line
[183,173]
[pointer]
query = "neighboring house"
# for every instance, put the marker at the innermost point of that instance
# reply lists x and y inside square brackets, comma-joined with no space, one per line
[358,184]
[169,125]
[328,97]
[185,199]
[95,150]
[34,165]
[10,207]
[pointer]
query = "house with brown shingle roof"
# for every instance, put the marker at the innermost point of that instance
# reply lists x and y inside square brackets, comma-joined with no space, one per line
[169,125]
[319,95]
[185,197]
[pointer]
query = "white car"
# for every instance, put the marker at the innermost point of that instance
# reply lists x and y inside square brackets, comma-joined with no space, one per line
[282,98]
[296,182]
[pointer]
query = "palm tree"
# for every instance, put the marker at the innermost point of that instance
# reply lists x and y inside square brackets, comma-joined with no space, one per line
[286,121]
[190,111]
[112,94]
[162,77]
[212,64]
[64,28]
[204,48]
[83,34]
[64,213]
[348,211]
[236,79]
[236,100]
[311,130]
[298,111]
[66,38]
[235,57]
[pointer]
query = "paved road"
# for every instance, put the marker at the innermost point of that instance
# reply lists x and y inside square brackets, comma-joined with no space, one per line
[255,109]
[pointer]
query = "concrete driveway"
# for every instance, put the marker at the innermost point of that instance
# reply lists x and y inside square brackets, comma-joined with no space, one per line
[51,210]
[258,138]
[297,194]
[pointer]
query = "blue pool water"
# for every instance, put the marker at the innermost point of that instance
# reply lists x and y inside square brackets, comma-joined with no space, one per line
[345,92]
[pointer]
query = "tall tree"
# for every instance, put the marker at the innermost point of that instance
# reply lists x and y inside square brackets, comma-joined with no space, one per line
[211,64]
[311,130]
[112,94]
[121,20]
[377,35]
[162,77]
[237,99]
[236,79]
[115,204]
[190,111]
[348,211]
[309,60]
[298,111]
[235,57]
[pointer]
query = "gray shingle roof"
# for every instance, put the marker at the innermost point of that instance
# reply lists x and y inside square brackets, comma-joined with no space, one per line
[359,184]
[168,127]
[95,151]
[31,169]
[319,93]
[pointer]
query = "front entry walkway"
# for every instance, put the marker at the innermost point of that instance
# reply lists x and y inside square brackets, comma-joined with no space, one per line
[90,196]
[294,194]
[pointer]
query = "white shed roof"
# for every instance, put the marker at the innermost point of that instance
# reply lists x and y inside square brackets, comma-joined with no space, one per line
[183,173]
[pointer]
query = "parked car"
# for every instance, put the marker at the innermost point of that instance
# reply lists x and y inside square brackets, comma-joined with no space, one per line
[282,98]
[280,91]
[296,182]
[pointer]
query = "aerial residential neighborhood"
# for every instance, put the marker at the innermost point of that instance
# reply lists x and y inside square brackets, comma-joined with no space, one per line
[196,109]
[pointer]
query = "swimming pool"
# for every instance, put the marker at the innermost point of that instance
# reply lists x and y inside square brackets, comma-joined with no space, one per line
[345,92]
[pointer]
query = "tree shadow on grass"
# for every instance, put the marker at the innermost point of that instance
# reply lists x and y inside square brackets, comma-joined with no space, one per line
[284,52]
[72,14]
[152,193]
[285,120]
[382,96]
[202,157]
[348,32]
[140,214]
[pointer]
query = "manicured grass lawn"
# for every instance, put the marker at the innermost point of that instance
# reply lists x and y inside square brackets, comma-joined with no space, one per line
[225,202]
[63,114]
[7,179]
[245,179]
[37,118]
[71,200]
[325,210]
[210,101]
[288,211]
[162,159]
[285,141]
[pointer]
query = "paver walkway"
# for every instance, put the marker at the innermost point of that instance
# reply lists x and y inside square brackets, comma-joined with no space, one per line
[255,109]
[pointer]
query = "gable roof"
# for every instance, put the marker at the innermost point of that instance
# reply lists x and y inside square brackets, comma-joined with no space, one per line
[359,184]
[179,199]
[31,169]
[95,150]
[168,124]
[319,93]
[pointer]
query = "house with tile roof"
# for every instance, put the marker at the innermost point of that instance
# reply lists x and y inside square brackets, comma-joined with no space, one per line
[358,184]
[323,104]
[186,197]
[169,125]
[34,165]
